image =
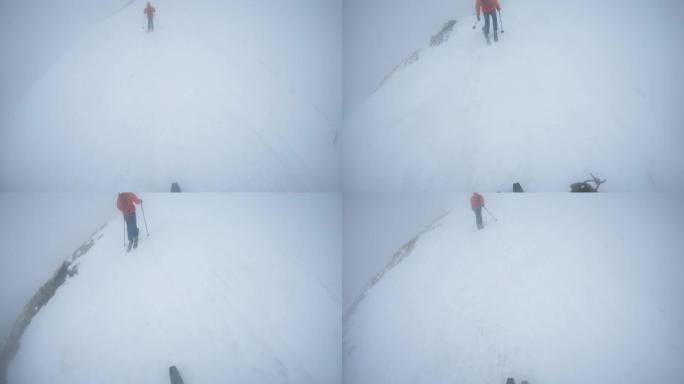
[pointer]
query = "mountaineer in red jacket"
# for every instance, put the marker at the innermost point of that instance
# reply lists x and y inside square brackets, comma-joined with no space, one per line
[126,204]
[489,8]
[476,203]
[150,11]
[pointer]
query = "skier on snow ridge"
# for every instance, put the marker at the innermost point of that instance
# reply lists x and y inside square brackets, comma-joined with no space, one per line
[476,203]
[150,11]
[126,204]
[489,8]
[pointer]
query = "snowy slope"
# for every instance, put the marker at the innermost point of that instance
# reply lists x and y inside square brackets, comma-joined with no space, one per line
[234,95]
[572,87]
[229,288]
[562,289]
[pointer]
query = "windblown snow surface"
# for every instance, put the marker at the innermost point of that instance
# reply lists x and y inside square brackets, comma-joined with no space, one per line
[562,289]
[229,288]
[572,87]
[223,96]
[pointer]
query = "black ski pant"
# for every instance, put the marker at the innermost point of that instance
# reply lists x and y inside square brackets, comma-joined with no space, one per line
[478,217]
[487,15]
[132,226]
[150,23]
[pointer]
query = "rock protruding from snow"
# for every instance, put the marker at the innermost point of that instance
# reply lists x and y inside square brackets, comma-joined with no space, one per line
[68,269]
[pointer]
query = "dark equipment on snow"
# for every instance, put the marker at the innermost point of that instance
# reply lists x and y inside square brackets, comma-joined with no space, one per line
[124,222]
[175,187]
[490,214]
[510,381]
[175,375]
[501,22]
[142,208]
[585,186]
[517,187]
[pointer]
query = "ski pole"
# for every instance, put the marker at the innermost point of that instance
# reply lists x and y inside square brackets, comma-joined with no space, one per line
[476,22]
[142,207]
[501,21]
[490,214]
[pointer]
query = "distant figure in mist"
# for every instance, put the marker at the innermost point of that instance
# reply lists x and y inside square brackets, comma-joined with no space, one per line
[126,204]
[476,203]
[149,11]
[489,8]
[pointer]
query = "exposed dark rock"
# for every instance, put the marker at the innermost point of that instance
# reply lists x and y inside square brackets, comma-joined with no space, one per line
[436,40]
[444,34]
[397,258]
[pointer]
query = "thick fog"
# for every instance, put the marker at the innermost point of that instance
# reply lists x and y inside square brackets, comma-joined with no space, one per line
[592,279]
[221,96]
[35,33]
[565,92]
[229,287]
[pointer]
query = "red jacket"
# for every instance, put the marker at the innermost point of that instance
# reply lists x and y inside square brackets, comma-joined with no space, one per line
[476,201]
[125,202]
[149,10]
[486,6]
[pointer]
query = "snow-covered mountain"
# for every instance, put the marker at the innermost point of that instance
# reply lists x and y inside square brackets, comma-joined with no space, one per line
[571,88]
[229,288]
[223,96]
[563,288]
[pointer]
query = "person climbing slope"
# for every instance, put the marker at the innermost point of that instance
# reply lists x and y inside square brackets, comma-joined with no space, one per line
[126,204]
[477,203]
[489,8]
[150,11]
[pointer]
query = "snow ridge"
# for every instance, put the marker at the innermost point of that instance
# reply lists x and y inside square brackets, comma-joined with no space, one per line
[67,270]
[397,258]
[438,39]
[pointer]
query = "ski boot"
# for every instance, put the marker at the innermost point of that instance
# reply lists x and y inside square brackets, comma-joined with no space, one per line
[130,245]
[496,36]
[135,242]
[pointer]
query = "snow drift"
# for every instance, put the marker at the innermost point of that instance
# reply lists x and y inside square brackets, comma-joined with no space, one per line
[571,88]
[223,96]
[229,288]
[561,289]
